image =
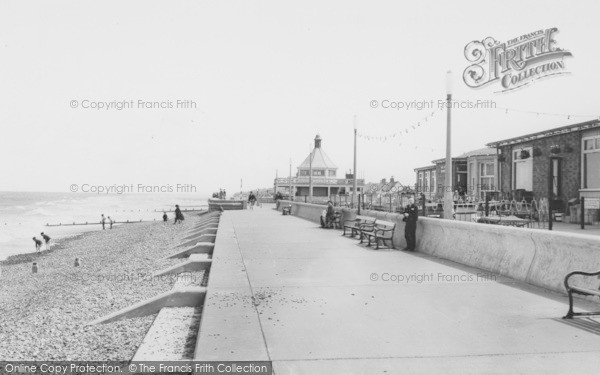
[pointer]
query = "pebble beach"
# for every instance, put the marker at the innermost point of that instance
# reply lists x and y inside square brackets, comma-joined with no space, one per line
[45,315]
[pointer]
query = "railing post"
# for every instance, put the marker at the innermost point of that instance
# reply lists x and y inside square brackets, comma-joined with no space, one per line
[582,213]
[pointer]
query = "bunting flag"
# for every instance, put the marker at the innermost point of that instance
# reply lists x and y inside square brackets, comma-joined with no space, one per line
[405,130]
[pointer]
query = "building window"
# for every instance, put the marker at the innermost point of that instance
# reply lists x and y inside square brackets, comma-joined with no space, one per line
[523,170]
[433,182]
[303,173]
[591,163]
[420,181]
[331,173]
[318,172]
[486,176]
[426,183]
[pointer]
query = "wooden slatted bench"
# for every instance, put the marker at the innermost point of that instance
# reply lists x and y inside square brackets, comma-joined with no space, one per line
[354,225]
[380,231]
[574,289]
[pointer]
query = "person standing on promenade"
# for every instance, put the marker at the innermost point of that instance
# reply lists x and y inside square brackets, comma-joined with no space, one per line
[411,215]
[178,215]
[251,200]
[165,217]
[328,216]
[103,221]
[46,239]
[38,245]
[110,222]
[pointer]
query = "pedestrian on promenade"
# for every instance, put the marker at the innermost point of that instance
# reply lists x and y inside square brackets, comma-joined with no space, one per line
[110,222]
[103,221]
[328,216]
[251,200]
[411,215]
[178,215]
[46,239]
[38,245]
[165,217]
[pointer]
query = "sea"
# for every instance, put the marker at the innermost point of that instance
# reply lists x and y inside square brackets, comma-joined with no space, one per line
[24,215]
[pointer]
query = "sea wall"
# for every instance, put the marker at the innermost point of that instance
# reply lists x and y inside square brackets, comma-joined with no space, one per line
[539,257]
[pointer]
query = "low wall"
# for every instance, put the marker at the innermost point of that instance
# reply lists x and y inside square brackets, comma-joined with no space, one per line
[539,257]
[226,204]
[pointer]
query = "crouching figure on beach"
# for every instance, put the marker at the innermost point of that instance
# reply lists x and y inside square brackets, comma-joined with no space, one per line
[38,245]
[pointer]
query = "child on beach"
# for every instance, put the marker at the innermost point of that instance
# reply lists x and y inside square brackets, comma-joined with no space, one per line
[110,222]
[103,221]
[38,245]
[46,239]
[165,217]
[251,200]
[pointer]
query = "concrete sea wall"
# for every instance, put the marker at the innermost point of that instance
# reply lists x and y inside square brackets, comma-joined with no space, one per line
[538,257]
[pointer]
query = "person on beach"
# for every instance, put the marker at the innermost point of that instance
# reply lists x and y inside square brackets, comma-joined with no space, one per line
[411,215]
[110,222]
[165,217]
[103,221]
[46,239]
[178,215]
[38,245]
[251,200]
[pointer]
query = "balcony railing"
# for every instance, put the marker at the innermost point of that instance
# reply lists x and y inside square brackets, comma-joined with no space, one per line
[318,181]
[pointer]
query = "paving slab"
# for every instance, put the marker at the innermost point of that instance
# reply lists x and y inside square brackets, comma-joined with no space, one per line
[314,302]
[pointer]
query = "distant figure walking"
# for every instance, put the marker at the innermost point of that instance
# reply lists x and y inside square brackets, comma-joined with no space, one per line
[411,215]
[103,221]
[165,217]
[110,222]
[251,200]
[178,215]
[38,245]
[46,239]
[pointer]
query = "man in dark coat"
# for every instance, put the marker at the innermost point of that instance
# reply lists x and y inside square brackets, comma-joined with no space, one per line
[411,215]
[178,215]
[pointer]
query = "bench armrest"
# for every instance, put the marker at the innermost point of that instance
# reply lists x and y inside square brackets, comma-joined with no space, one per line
[578,273]
[367,226]
[355,221]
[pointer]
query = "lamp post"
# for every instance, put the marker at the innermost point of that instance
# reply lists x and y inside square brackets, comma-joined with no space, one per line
[310,172]
[354,187]
[290,181]
[448,188]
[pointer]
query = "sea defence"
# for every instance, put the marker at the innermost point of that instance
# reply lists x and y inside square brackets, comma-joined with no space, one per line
[538,257]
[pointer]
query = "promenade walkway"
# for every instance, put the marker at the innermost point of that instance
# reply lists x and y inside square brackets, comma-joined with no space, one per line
[314,302]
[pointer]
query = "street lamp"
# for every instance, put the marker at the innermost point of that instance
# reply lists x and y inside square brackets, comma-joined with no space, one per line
[448,188]
[354,184]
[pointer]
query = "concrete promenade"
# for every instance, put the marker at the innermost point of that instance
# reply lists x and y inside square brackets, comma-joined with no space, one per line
[314,302]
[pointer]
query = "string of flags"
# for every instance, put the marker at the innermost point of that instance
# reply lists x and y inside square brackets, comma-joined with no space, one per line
[408,129]
[566,115]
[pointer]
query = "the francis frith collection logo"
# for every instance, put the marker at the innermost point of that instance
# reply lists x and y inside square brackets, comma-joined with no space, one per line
[515,63]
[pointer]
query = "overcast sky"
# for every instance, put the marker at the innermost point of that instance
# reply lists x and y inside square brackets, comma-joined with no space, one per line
[266,77]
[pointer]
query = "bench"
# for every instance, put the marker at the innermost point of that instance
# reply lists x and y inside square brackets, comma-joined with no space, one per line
[573,289]
[379,231]
[354,225]
[287,210]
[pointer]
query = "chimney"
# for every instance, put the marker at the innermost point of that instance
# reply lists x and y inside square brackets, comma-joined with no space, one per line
[318,141]
[392,179]
[383,181]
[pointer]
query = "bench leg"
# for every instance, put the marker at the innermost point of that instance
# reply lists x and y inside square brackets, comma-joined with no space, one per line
[570,313]
[377,243]
[361,237]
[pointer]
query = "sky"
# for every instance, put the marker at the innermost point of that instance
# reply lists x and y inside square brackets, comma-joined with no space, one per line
[264,77]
